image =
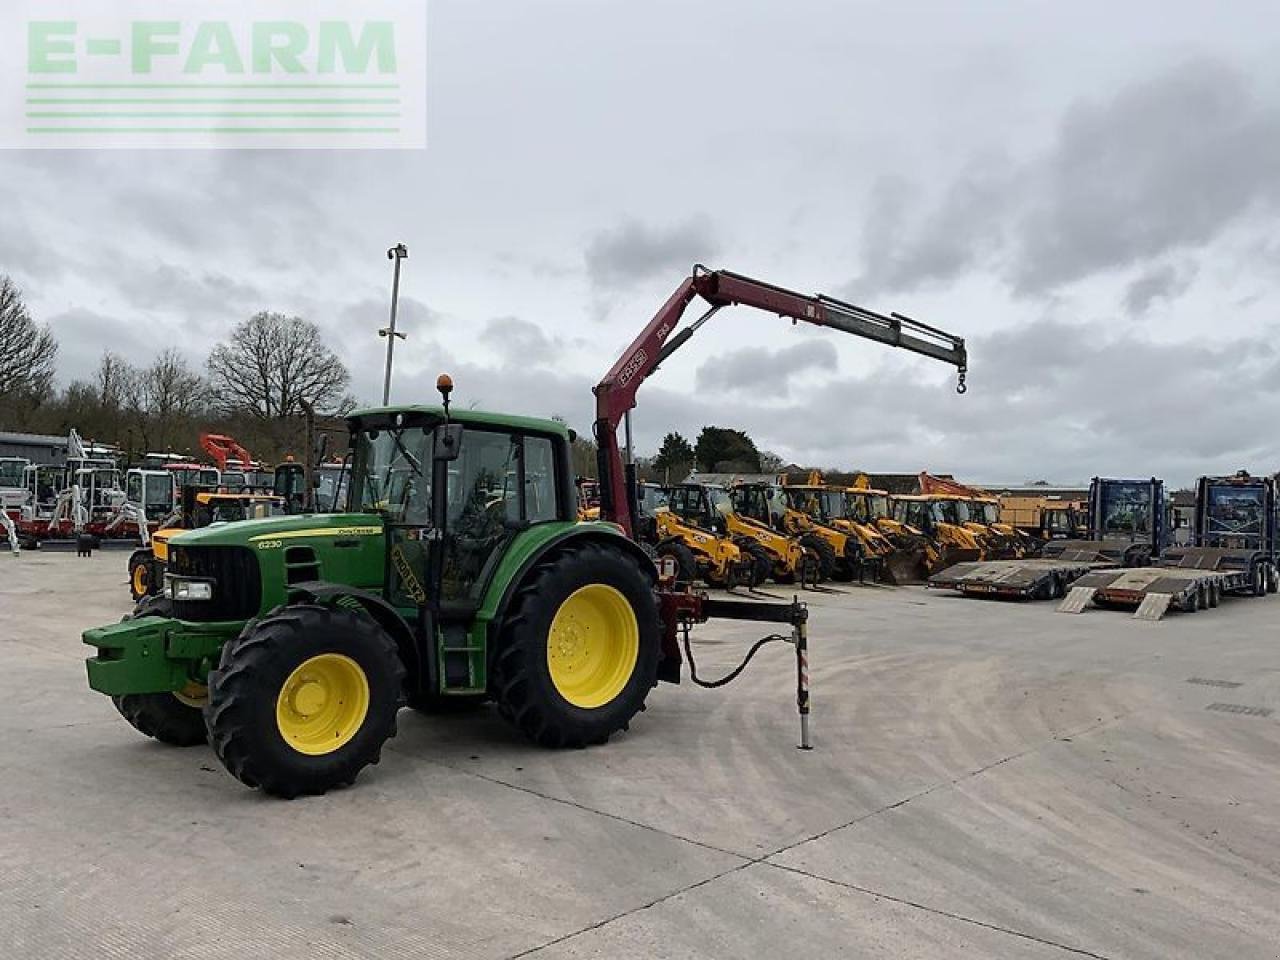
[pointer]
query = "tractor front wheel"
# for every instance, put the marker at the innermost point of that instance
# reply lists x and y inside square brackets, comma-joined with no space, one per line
[172,718]
[579,647]
[304,699]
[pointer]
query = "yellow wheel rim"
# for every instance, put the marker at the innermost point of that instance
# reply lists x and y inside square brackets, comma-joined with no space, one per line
[193,695]
[593,646]
[322,704]
[139,578]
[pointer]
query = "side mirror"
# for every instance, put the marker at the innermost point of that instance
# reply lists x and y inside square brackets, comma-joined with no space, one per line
[448,442]
[321,449]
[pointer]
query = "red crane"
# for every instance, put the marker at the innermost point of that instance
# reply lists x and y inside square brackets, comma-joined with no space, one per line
[616,393]
[221,448]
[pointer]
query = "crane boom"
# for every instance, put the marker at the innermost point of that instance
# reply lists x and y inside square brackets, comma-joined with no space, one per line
[616,393]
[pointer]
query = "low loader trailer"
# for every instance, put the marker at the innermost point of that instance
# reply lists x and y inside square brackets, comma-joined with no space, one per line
[1234,554]
[1046,577]
[1126,530]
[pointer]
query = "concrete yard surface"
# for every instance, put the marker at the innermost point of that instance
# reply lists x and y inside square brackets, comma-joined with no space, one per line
[988,780]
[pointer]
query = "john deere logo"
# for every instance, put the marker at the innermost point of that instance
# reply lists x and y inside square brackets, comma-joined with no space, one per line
[241,73]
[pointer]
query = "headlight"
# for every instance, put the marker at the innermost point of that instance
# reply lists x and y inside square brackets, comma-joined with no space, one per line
[178,588]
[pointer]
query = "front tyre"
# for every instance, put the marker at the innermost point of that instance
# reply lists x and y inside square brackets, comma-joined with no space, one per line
[579,648]
[173,718]
[304,699]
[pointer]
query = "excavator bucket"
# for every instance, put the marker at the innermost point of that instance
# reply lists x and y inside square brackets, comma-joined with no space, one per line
[906,565]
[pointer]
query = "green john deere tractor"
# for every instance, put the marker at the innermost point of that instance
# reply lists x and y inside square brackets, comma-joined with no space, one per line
[459,573]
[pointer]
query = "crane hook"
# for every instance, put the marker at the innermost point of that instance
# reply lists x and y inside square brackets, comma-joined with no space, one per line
[961,388]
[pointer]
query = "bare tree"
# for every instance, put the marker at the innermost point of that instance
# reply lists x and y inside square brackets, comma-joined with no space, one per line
[27,350]
[271,364]
[172,393]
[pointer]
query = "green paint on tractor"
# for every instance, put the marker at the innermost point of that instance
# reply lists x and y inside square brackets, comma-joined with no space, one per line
[458,573]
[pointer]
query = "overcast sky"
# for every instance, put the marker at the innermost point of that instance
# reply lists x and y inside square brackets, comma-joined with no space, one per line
[1087,192]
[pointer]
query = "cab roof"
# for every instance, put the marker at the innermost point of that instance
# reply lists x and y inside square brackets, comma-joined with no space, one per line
[480,418]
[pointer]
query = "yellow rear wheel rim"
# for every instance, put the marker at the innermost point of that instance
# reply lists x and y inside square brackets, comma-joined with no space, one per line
[322,704]
[193,695]
[593,646]
[139,578]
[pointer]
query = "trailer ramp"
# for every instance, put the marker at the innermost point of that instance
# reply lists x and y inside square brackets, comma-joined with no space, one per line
[1153,591]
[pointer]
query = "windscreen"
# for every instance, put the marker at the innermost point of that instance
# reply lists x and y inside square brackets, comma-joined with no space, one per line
[331,490]
[721,502]
[947,511]
[832,504]
[11,473]
[1234,516]
[158,496]
[1126,509]
[391,474]
[878,505]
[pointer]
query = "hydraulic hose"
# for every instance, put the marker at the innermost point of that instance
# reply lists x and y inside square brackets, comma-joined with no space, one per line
[733,674]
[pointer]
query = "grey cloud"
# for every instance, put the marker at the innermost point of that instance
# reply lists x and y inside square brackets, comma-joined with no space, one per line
[520,341]
[1161,282]
[188,294]
[633,251]
[758,370]
[1162,166]
[84,334]
[958,234]
[1165,165]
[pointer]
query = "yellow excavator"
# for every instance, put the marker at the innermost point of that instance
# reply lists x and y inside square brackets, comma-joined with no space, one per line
[918,553]
[980,512]
[694,531]
[759,510]
[935,517]
[814,509]
[772,554]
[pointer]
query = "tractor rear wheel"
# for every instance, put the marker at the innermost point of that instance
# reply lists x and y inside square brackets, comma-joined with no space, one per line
[825,553]
[579,647]
[172,718]
[304,699]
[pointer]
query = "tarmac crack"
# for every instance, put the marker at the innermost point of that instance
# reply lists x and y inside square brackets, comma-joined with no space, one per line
[488,778]
[945,784]
[766,858]
[936,911]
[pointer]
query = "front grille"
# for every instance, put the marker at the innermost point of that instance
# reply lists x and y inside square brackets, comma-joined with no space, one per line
[237,583]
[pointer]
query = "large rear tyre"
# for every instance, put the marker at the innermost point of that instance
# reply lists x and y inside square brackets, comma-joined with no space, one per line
[304,699]
[579,648]
[825,553]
